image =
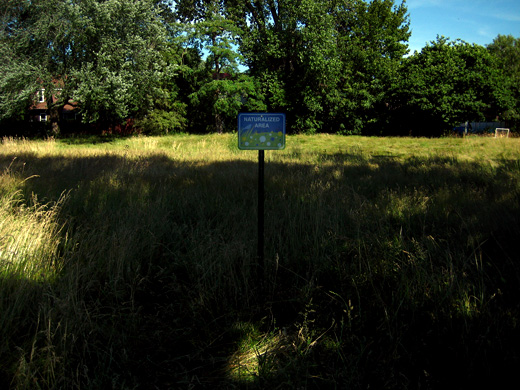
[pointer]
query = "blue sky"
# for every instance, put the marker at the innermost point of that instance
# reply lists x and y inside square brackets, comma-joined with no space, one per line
[474,21]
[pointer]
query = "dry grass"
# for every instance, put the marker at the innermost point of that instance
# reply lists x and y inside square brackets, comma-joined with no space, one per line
[390,263]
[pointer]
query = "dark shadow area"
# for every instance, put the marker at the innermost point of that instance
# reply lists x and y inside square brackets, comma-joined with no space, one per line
[18,325]
[84,139]
[381,272]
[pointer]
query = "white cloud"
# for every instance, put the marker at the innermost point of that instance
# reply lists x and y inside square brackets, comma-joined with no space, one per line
[485,32]
[411,4]
[508,17]
[470,6]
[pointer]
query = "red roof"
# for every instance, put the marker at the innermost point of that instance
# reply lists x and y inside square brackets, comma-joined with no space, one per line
[69,106]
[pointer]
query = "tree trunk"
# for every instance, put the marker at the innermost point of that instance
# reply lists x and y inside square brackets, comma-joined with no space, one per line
[54,113]
[219,123]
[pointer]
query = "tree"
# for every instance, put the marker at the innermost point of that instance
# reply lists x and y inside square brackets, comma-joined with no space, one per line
[373,42]
[289,47]
[32,44]
[119,64]
[330,65]
[223,91]
[105,56]
[326,63]
[448,82]
[169,112]
[506,50]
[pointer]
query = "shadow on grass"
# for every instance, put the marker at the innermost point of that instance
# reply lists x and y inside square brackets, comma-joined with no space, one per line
[92,139]
[380,273]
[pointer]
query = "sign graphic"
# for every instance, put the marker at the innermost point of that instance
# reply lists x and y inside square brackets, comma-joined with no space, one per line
[262,131]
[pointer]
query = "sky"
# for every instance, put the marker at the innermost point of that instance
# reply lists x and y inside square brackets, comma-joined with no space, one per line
[473,21]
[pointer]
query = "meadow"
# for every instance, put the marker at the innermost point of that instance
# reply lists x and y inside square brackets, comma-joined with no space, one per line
[131,263]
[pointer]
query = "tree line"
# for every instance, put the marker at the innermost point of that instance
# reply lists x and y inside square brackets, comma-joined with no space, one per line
[340,66]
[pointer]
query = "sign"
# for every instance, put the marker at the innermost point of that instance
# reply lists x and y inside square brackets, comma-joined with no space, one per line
[262,131]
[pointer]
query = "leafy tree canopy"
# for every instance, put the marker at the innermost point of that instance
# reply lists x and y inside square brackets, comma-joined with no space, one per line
[506,51]
[330,65]
[448,82]
[105,56]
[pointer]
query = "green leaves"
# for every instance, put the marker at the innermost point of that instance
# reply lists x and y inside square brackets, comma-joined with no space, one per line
[448,82]
[334,60]
[506,52]
[122,68]
[335,66]
[222,100]
[17,84]
[105,55]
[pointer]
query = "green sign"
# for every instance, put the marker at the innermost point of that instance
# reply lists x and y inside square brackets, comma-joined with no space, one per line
[261,131]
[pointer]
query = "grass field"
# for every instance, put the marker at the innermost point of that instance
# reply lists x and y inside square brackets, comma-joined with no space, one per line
[131,263]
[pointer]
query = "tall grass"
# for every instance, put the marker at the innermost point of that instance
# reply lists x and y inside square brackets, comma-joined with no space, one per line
[390,263]
[30,239]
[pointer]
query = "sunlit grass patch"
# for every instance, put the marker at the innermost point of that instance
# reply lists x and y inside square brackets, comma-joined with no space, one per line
[23,145]
[264,356]
[29,238]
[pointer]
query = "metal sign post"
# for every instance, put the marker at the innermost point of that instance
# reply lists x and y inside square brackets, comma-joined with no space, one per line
[261,131]
[261,198]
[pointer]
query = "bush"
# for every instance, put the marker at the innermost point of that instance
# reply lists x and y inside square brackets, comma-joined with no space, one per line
[160,121]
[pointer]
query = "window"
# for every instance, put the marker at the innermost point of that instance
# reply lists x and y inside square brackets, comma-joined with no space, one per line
[43,117]
[41,95]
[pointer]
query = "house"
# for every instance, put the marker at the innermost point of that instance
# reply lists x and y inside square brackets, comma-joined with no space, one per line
[40,112]
[221,76]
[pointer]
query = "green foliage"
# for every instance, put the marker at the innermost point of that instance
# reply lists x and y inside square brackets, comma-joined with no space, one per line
[17,86]
[103,55]
[31,46]
[222,92]
[223,99]
[326,64]
[373,43]
[445,84]
[120,67]
[161,121]
[331,66]
[506,50]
